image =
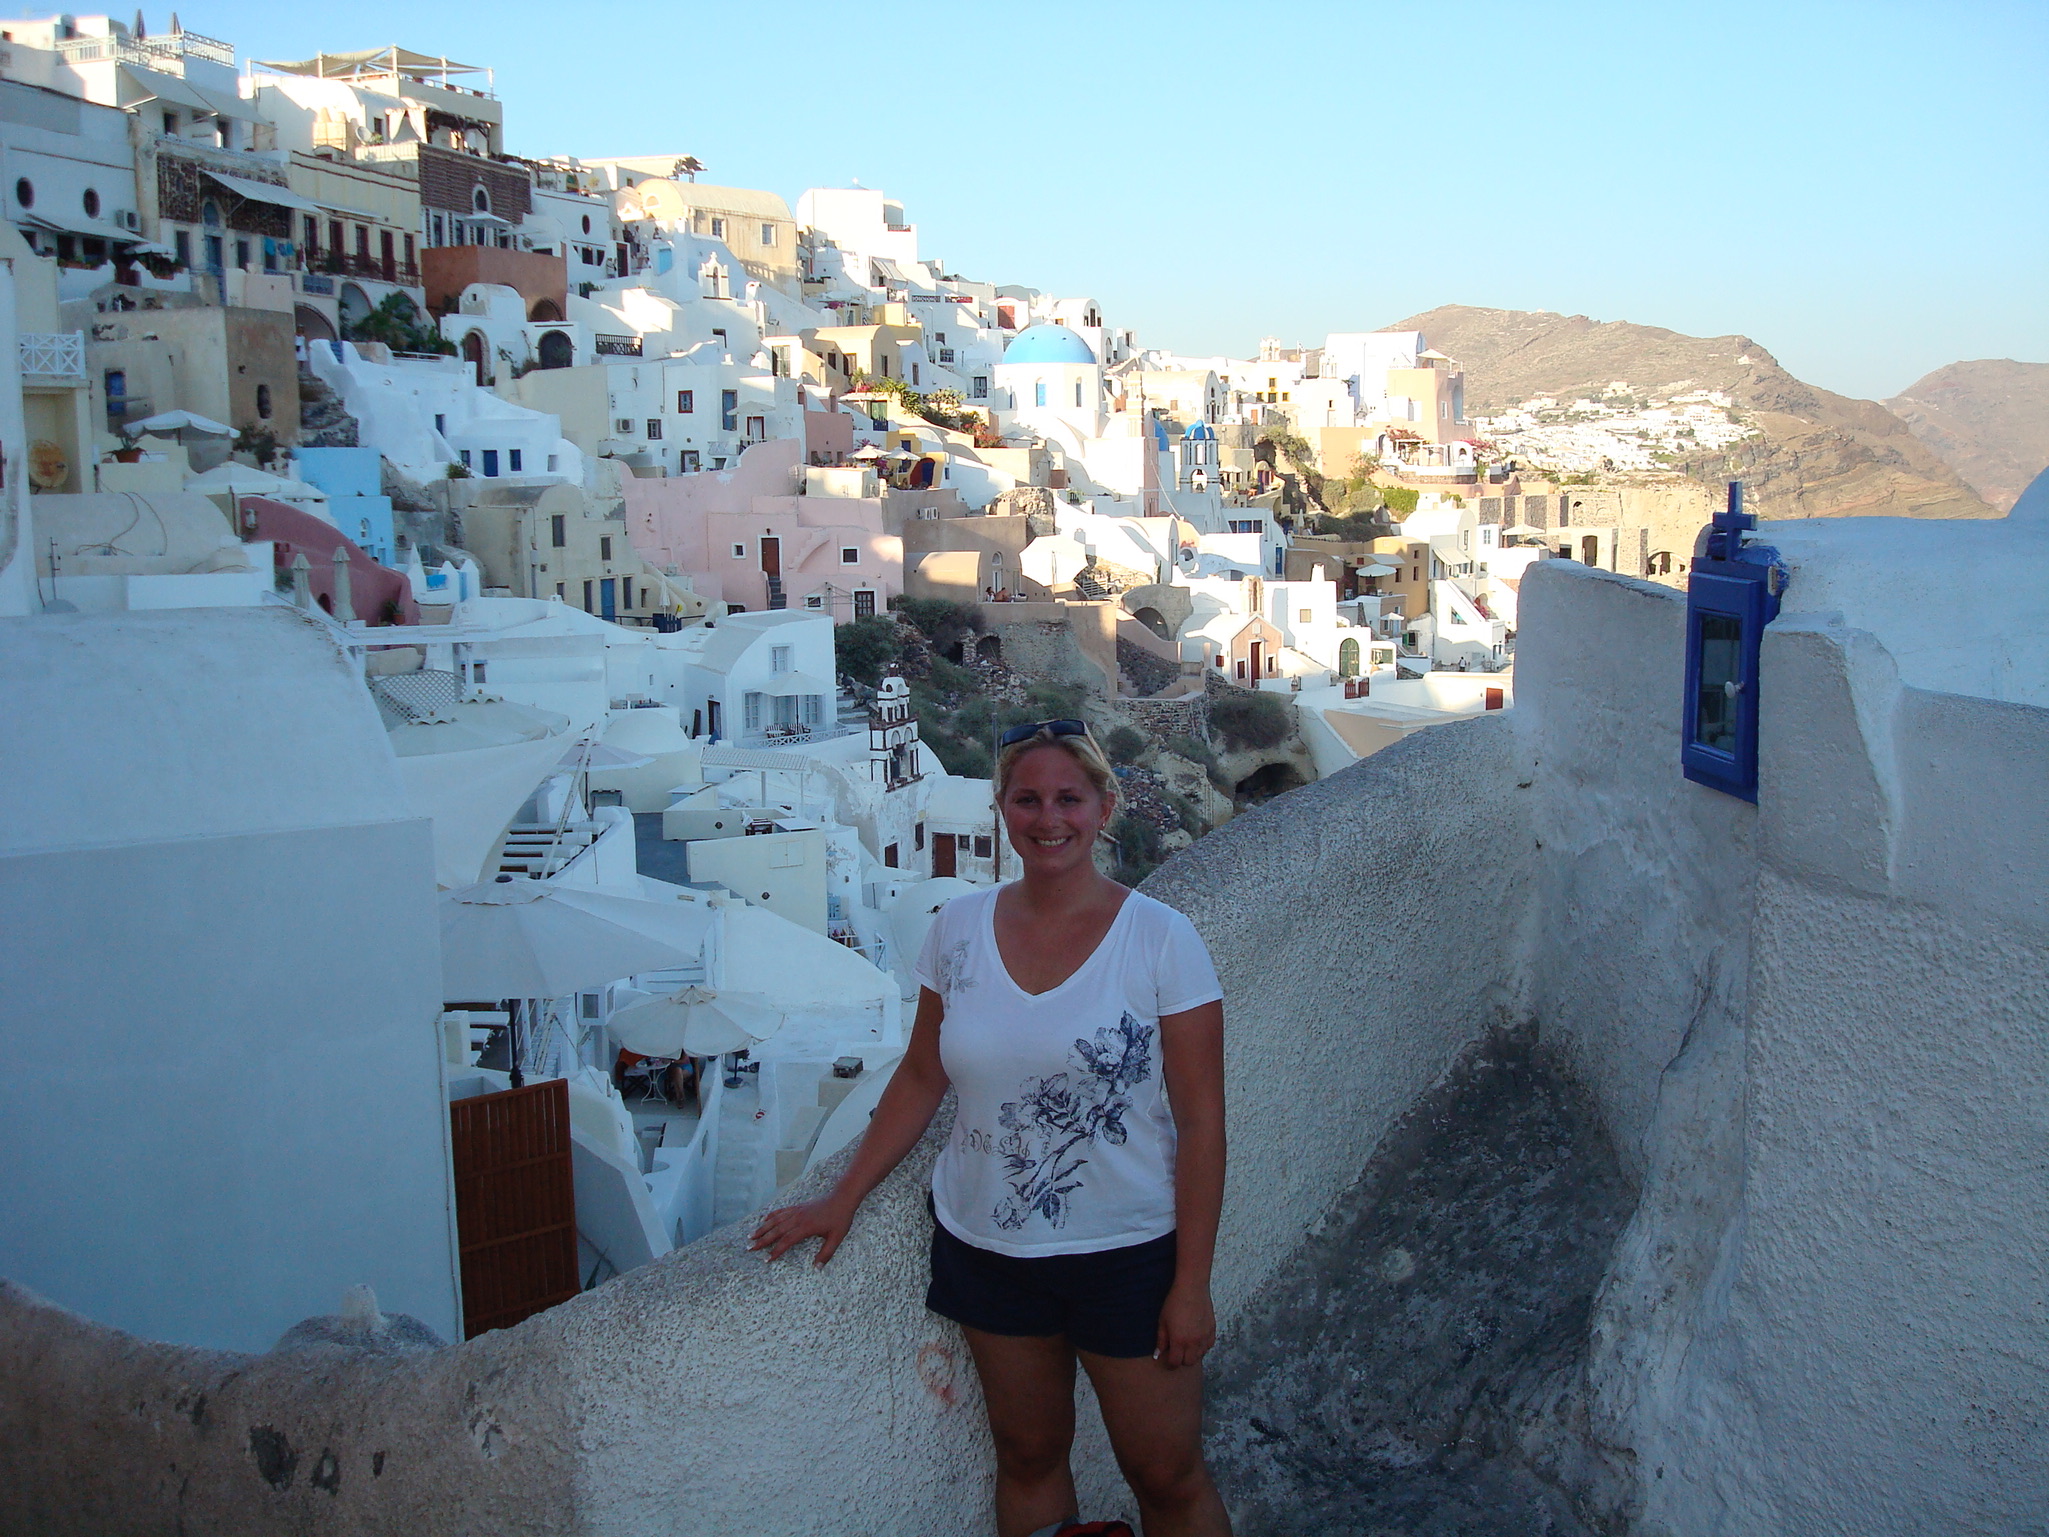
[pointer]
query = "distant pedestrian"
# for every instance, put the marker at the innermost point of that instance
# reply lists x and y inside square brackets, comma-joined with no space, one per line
[1076,1202]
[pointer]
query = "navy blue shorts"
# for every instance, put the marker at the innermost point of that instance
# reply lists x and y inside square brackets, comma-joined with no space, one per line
[1107,1303]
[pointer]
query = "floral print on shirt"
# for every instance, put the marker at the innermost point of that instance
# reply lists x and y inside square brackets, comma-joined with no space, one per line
[1054,1122]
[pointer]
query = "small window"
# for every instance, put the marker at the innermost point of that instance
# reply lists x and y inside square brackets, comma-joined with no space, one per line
[181,246]
[779,658]
[604,547]
[91,203]
[480,200]
[979,389]
[512,458]
[688,461]
[849,555]
[1039,393]
[984,846]
[718,229]
[1302,615]
[554,461]
[654,427]
[558,531]
[889,857]
[490,462]
[729,410]
[739,552]
[170,121]
[466,460]
[441,424]
[242,255]
[25,192]
[768,234]
[586,224]
[814,600]
[686,402]
[1077,392]
[263,401]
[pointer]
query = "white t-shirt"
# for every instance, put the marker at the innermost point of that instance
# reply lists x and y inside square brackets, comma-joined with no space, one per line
[1063,1142]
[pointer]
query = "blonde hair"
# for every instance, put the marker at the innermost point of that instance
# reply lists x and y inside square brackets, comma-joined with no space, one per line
[1083,749]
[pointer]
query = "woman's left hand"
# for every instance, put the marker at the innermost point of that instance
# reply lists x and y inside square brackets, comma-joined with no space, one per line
[1188,1326]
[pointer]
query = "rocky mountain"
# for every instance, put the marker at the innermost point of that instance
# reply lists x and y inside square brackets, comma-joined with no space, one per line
[1815,454]
[1988,420]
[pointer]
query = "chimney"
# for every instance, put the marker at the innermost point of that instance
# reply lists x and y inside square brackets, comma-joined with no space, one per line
[344,600]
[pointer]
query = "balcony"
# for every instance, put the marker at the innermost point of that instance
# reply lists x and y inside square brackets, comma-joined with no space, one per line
[149,52]
[616,346]
[53,354]
[360,265]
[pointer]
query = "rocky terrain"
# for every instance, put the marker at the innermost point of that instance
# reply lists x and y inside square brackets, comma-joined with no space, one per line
[1814,454]
[1987,419]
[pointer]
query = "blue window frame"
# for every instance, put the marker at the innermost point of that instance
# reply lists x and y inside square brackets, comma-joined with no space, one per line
[512,460]
[1039,393]
[729,410]
[1731,595]
[490,461]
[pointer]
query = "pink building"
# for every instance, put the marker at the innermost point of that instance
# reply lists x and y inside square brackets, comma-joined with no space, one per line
[773,532]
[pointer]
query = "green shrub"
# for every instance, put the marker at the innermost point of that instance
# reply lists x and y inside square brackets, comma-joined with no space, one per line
[1245,719]
[864,648]
[1139,849]
[1400,500]
[1124,745]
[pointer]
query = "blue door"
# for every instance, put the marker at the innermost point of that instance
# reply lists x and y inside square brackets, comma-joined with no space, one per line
[607,598]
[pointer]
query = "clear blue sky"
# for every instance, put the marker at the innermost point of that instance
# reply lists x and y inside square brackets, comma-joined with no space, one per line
[1862,187]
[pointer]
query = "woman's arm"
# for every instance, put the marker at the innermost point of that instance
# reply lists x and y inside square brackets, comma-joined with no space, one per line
[1192,1050]
[900,1119]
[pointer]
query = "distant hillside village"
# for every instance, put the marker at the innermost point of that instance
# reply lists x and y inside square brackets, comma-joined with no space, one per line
[691,551]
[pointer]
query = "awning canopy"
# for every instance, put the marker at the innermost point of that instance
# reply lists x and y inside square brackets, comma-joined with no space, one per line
[152,84]
[785,683]
[263,192]
[79,224]
[371,61]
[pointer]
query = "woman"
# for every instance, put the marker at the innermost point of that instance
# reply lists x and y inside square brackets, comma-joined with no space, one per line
[1075,1211]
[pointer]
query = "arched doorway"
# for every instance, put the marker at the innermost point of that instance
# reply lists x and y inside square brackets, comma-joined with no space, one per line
[545,309]
[1153,620]
[311,324]
[556,349]
[1348,658]
[921,475]
[473,353]
[989,649]
[355,307]
[1590,550]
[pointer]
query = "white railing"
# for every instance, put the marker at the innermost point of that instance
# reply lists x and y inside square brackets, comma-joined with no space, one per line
[59,354]
[149,52]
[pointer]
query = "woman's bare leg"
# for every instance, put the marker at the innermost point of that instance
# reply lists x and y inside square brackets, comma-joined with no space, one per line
[1028,1381]
[1154,1416]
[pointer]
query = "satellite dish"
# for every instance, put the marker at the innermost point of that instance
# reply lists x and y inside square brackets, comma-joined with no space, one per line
[48,467]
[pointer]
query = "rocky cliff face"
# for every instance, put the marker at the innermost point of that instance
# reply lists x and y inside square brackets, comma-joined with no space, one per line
[1817,454]
[1988,420]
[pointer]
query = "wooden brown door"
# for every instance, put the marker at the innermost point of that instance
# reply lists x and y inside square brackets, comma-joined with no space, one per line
[515,1204]
[771,557]
[942,855]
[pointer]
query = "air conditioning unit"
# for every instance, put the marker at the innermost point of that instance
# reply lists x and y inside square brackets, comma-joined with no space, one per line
[128,219]
[624,425]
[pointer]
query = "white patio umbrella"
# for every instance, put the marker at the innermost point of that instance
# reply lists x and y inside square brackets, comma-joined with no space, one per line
[165,423]
[697,1022]
[535,939]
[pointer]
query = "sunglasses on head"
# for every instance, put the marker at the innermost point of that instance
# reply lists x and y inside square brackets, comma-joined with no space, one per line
[1055,727]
